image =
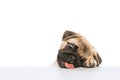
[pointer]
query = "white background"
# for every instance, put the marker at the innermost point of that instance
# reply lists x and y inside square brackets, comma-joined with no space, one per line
[31,30]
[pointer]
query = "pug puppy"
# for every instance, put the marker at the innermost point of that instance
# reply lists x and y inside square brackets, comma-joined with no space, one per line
[75,51]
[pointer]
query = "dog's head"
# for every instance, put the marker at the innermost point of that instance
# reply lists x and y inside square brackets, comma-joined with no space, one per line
[68,54]
[76,51]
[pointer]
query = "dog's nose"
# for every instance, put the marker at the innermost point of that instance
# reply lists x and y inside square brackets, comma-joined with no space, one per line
[71,59]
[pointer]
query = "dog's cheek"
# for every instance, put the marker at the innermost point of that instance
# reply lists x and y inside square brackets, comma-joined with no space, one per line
[60,63]
[78,62]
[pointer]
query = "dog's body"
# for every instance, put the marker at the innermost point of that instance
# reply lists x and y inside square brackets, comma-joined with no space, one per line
[77,51]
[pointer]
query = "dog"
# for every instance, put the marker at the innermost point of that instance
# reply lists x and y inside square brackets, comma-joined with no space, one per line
[75,51]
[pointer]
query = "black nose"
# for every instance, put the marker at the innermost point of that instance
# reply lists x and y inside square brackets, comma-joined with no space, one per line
[71,59]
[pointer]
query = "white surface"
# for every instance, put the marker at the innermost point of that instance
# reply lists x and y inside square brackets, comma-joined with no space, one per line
[53,73]
[31,30]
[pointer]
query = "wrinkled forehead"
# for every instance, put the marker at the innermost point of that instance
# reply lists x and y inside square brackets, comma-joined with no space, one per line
[73,40]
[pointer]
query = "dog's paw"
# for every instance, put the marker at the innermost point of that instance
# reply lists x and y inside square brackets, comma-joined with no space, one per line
[90,63]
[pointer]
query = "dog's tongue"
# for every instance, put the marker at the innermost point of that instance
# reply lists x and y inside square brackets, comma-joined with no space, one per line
[69,66]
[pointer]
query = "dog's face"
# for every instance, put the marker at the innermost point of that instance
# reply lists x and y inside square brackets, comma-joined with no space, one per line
[75,51]
[69,55]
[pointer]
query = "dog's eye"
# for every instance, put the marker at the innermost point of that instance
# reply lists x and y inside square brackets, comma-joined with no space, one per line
[71,46]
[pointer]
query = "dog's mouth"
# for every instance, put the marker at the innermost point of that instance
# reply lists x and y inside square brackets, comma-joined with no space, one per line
[67,65]
[67,60]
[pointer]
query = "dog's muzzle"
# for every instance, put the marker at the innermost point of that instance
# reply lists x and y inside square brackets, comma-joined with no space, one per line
[68,59]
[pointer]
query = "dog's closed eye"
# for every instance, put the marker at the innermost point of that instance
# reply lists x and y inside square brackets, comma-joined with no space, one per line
[71,46]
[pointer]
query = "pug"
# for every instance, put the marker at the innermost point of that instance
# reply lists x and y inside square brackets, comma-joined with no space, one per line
[75,51]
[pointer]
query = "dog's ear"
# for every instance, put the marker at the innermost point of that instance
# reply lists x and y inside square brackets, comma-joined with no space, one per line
[98,59]
[68,34]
